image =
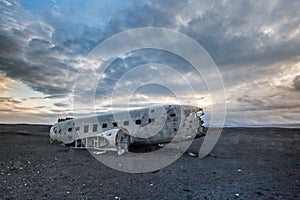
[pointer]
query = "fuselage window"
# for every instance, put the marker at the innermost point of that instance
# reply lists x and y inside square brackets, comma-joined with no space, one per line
[95,127]
[86,129]
[187,113]
[104,125]
[151,120]
[77,128]
[114,124]
[138,121]
[69,129]
[126,123]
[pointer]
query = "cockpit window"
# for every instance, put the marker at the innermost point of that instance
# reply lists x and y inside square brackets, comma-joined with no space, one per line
[187,113]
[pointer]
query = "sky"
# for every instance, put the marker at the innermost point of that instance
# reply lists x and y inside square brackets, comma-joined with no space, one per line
[44,46]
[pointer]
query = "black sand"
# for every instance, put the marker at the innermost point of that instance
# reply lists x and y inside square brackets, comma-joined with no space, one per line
[246,163]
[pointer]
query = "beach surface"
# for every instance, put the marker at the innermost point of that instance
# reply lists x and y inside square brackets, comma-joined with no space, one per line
[246,163]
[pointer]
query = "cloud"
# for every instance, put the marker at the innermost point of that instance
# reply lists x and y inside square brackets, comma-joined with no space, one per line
[60,104]
[9,46]
[256,46]
[267,103]
[55,96]
[13,110]
[60,41]
[4,82]
[244,32]
[27,53]
[9,104]
[297,83]
[9,100]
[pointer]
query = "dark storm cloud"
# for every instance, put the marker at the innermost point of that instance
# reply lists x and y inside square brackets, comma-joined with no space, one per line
[140,57]
[297,83]
[40,77]
[8,46]
[270,102]
[254,102]
[131,60]
[27,53]
[40,107]
[60,104]
[231,33]
[143,15]
[5,110]
[247,37]
[58,96]
[9,100]
[42,47]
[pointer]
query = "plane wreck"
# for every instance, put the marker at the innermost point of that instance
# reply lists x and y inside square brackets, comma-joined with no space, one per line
[118,131]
